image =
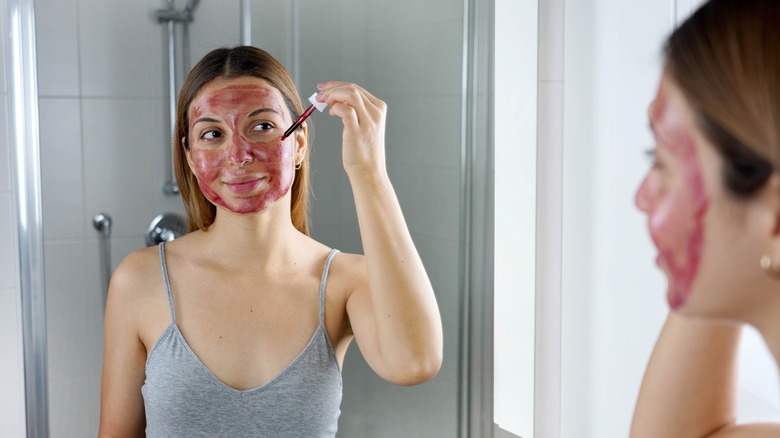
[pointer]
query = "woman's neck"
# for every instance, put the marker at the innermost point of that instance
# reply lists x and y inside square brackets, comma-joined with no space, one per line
[263,241]
[768,324]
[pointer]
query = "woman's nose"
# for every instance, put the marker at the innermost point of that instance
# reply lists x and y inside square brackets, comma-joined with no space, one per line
[239,151]
[642,197]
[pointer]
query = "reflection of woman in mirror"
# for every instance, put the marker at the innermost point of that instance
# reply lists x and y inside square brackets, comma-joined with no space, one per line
[232,329]
[712,199]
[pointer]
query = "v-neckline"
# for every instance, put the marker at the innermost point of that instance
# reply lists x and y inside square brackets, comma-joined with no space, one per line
[225,386]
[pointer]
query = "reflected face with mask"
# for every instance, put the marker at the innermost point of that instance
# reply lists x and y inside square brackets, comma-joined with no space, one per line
[708,241]
[236,151]
[673,194]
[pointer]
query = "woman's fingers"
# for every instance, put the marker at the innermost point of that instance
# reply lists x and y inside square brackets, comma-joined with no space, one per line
[363,116]
[346,113]
[366,106]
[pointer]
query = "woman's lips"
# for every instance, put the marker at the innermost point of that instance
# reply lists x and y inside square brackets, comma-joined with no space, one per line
[244,185]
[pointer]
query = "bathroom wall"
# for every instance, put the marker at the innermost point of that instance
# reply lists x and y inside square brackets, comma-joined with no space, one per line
[104,148]
[12,418]
[409,54]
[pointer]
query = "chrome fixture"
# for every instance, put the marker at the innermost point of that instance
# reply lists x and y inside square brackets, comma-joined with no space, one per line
[171,16]
[164,228]
[102,223]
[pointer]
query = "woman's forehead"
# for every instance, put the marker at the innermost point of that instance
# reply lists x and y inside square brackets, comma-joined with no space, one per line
[670,115]
[239,91]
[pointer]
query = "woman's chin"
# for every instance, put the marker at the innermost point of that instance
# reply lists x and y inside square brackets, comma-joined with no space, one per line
[679,299]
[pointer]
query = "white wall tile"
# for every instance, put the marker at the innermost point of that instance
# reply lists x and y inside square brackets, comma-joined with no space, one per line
[325,204]
[56,34]
[67,414]
[95,295]
[92,404]
[121,49]
[9,265]
[411,61]
[322,53]
[429,198]
[66,320]
[394,61]
[10,337]
[427,410]
[423,132]
[410,13]
[62,176]
[121,140]
[5,146]
[272,28]
[216,24]
[441,49]
[12,410]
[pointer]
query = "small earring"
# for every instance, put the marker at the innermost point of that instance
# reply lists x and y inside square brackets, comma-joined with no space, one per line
[298,166]
[768,268]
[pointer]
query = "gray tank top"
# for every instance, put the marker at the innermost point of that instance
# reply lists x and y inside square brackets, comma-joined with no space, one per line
[183,398]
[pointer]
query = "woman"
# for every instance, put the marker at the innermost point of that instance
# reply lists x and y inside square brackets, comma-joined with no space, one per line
[240,327]
[712,199]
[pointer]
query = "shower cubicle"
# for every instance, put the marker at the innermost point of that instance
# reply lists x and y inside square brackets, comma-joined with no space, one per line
[106,74]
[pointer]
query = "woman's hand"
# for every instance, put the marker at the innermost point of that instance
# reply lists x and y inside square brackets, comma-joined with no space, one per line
[363,115]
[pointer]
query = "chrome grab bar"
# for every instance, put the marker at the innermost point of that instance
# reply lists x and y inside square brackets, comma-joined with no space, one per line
[102,223]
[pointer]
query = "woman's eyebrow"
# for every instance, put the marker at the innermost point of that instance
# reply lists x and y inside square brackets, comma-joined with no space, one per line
[252,114]
[263,110]
[205,119]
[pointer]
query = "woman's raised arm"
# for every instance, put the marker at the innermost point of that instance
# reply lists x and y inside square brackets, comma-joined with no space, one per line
[393,310]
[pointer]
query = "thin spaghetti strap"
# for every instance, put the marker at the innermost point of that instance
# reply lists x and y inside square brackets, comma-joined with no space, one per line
[323,282]
[164,268]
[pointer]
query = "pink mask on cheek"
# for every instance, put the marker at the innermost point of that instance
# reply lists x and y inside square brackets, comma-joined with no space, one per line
[676,214]
[269,164]
[676,225]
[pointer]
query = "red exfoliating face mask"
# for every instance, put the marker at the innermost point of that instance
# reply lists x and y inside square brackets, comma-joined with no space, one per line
[675,204]
[237,155]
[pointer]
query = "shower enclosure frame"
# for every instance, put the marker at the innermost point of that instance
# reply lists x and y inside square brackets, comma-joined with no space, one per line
[26,182]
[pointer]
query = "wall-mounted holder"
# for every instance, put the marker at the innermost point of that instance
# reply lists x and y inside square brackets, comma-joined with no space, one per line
[164,228]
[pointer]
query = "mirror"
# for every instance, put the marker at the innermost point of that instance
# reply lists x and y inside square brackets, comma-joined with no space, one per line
[103,94]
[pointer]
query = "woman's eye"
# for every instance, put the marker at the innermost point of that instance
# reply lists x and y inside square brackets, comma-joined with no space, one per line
[211,135]
[263,126]
[655,162]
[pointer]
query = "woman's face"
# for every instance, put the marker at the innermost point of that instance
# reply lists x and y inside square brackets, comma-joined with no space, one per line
[236,151]
[705,244]
[673,194]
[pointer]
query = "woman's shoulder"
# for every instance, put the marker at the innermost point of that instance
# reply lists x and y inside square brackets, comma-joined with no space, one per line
[138,273]
[136,297]
[349,270]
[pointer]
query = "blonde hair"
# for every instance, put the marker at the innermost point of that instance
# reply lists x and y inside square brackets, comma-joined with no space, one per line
[231,63]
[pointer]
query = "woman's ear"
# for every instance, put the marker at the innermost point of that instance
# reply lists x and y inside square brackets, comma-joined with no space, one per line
[766,214]
[188,155]
[300,143]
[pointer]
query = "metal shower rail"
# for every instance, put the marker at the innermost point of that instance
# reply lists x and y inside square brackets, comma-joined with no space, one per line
[171,16]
